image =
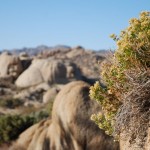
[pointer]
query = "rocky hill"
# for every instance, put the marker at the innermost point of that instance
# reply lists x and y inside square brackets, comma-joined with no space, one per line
[30,79]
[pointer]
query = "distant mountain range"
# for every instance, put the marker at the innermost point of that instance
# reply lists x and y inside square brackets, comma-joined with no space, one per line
[41,48]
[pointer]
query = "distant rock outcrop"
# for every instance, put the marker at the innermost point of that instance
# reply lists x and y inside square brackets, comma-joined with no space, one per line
[77,51]
[70,127]
[38,70]
[10,66]
[42,70]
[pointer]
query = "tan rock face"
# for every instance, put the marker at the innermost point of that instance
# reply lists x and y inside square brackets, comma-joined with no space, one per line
[29,77]
[42,70]
[10,65]
[125,143]
[77,51]
[50,95]
[33,138]
[70,127]
[147,144]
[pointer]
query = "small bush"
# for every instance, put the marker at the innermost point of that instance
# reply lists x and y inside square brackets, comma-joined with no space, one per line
[12,125]
[125,101]
[10,103]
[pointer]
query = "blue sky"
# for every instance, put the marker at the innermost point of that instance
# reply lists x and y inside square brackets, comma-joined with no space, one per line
[29,23]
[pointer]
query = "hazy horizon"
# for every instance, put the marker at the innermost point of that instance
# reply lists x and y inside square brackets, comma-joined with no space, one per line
[50,46]
[32,23]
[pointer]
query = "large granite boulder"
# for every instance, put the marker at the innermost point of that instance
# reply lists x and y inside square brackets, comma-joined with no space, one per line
[70,127]
[42,70]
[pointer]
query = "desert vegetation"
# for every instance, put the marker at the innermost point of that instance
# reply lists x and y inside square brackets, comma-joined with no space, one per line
[12,125]
[54,84]
[125,100]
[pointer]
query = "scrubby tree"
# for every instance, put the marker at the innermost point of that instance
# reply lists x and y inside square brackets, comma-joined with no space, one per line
[125,100]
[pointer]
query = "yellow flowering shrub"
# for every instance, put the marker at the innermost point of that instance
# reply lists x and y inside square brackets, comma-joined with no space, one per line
[128,69]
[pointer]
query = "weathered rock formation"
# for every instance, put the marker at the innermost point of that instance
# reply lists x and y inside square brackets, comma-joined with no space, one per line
[70,127]
[42,70]
[10,66]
